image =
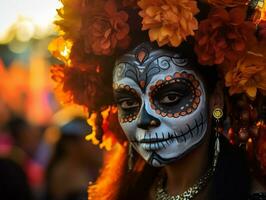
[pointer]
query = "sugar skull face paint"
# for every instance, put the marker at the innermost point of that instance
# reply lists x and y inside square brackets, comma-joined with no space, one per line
[162,104]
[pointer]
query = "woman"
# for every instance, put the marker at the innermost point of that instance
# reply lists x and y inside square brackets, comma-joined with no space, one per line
[169,106]
[173,109]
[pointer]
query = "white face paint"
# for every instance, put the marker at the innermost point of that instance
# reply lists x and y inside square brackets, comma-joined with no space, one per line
[161,104]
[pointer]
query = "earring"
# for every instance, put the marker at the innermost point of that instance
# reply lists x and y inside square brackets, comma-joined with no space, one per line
[130,157]
[217,114]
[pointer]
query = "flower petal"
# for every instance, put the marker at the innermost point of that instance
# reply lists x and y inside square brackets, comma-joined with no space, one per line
[251,92]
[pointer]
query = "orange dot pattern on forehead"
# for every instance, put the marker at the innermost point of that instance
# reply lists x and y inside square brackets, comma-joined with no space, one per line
[132,116]
[186,109]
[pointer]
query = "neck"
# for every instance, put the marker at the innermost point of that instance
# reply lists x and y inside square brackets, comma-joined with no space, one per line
[185,172]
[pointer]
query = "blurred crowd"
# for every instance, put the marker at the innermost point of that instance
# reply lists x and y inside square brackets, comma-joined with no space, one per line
[43,151]
[45,162]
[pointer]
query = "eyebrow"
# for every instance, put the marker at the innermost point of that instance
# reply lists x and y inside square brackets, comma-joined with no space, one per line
[125,92]
[118,90]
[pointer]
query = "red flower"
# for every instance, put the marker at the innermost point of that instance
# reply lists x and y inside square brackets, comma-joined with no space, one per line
[223,36]
[77,85]
[105,29]
[227,3]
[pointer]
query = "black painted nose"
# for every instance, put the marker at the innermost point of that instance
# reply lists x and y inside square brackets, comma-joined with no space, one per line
[146,121]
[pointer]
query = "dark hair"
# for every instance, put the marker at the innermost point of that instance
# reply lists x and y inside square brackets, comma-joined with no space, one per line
[232,178]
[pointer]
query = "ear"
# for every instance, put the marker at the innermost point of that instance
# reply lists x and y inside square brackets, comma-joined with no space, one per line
[217,97]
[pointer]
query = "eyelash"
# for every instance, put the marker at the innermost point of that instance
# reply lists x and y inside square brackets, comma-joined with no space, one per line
[170,94]
[126,101]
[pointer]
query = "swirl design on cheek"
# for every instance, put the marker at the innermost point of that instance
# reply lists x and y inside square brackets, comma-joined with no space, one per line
[187,93]
[127,115]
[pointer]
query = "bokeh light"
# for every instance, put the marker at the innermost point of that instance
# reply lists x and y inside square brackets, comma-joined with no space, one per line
[26,19]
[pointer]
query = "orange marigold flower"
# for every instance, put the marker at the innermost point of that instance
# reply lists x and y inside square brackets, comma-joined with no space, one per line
[169,21]
[223,35]
[105,28]
[248,76]
[227,3]
[70,18]
[60,49]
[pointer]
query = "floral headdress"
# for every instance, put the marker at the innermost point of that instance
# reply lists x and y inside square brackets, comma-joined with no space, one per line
[229,35]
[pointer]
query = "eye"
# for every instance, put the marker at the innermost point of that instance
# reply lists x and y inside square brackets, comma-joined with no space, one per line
[170,98]
[128,104]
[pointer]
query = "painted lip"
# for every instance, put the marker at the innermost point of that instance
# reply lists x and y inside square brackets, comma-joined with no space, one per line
[170,137]
[154,140]
[156,143]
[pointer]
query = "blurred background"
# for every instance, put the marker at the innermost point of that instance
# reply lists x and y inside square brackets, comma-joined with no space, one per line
[43,151]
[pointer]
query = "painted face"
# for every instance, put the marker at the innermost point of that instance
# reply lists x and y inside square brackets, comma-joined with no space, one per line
[161,103]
